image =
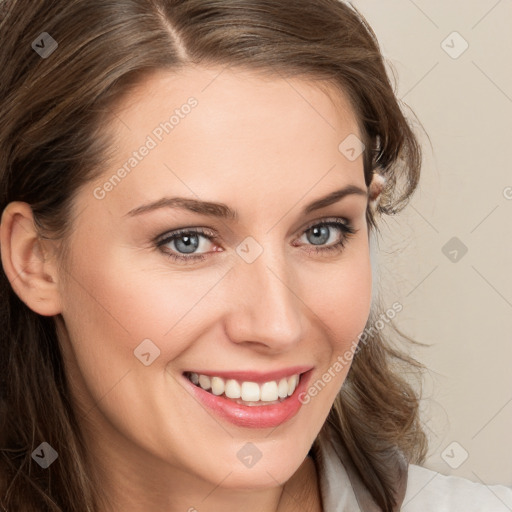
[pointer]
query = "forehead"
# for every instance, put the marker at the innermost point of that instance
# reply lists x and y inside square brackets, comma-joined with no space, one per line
[233,85]
[224,133]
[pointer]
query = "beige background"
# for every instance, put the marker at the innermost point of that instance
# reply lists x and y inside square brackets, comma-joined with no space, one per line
[462,307]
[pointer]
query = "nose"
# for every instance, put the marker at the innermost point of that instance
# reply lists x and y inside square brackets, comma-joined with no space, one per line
[265,311]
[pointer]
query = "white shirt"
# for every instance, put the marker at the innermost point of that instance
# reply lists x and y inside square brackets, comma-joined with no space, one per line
[426,491]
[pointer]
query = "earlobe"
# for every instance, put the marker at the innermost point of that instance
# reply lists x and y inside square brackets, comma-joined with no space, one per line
[27,260]
[375,189]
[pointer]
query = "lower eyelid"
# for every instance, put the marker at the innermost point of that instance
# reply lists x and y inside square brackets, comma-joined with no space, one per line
[337,224]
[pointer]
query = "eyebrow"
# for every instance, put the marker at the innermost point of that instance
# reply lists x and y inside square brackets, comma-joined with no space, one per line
[223,211]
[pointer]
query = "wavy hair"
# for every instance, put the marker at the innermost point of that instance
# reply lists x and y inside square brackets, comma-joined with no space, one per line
[52,141]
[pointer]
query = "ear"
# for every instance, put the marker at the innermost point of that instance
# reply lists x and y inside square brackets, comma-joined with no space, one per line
[375,189]
[29,261]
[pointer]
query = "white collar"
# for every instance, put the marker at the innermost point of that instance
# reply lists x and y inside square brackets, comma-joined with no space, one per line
[335,485]
[341,487]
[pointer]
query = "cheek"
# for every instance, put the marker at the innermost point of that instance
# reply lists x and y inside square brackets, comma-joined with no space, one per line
[342,306]
[341,298]
[118,299]
[114,301]
[341,302]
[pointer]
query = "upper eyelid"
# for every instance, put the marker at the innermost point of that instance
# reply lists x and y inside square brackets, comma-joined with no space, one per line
[211,235]
[326,220]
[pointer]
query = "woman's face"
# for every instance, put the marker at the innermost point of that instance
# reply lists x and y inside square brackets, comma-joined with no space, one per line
[264,294]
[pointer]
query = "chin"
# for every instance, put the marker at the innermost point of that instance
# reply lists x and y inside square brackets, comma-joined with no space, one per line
[252,479]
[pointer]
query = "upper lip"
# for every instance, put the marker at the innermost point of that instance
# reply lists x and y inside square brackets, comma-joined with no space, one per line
[253,376]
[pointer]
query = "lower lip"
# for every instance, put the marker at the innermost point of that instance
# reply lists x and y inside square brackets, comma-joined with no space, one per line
[258,416]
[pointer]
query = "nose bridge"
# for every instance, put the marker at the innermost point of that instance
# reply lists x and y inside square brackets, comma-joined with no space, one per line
[265,309]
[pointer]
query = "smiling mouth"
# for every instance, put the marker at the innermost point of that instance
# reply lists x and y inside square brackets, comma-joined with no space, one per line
[247,392]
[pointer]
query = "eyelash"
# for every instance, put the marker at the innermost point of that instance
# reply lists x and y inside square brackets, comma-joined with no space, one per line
[346,228]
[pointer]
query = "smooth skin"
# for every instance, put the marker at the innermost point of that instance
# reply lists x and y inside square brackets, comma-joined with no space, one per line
[265,146]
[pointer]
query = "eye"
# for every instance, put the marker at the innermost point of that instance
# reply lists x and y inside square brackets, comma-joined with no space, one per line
[187,240]
[320,234]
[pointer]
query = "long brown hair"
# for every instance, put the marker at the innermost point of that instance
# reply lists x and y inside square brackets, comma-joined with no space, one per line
[53,112]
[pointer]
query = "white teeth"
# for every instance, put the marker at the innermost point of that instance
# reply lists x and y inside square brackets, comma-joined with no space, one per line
[282,389]
[292,384]
[233,389]
[250,392]
[204,382]
[271,391]
[217,386]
